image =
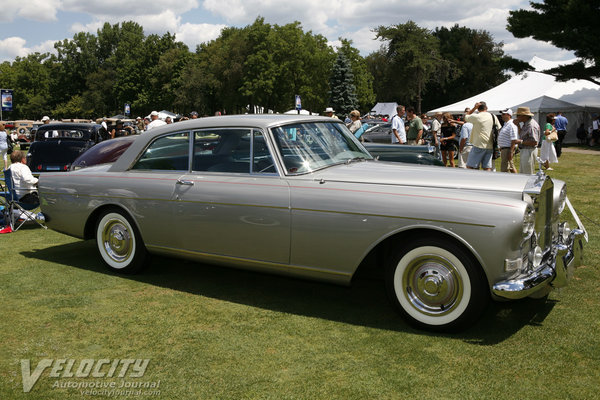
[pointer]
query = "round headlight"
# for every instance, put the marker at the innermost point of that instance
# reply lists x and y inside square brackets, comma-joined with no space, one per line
[528,221]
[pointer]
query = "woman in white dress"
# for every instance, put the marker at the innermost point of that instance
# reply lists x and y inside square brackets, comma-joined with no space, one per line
[547,152]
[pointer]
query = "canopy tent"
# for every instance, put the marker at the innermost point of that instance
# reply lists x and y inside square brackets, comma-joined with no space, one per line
[302,112]
[538,88]
[384,109]
[576,115]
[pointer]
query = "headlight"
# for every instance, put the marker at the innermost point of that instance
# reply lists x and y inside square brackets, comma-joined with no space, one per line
[536,255]
[528,221]
[562,199]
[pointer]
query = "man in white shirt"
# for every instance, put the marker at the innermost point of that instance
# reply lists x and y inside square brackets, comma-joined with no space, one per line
[436,128]
[398,129]
[25,183]
[155,121]
[508,139]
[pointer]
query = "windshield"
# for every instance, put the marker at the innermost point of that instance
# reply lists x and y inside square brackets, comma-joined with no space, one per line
[309,146]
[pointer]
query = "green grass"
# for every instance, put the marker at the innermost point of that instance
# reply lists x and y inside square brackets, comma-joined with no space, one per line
[221,333]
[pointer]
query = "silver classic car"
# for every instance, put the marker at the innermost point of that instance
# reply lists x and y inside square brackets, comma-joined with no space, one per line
[301,196]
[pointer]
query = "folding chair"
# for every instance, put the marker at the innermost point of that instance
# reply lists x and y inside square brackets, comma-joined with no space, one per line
[18,212]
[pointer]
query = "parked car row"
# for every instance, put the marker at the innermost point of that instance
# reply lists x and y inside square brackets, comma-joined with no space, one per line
[301,196]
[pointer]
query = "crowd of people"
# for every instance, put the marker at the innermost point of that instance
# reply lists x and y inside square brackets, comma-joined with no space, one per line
[477,137]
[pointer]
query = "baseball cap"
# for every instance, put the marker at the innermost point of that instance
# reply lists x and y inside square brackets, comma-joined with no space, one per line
[507,111]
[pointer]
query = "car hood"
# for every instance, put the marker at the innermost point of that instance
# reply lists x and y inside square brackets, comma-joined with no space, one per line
[393,173]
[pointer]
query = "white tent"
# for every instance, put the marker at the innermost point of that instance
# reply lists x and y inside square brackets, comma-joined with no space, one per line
[384,109]
[524,88]
[302,112]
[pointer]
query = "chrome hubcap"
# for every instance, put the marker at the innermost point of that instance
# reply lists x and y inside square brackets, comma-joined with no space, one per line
[433,285]
[117,240]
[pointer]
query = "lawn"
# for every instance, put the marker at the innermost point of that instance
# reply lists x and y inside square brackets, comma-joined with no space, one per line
[214,332]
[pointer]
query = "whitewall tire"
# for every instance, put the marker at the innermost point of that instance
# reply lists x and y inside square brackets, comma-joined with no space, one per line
[436,284]
[119,242]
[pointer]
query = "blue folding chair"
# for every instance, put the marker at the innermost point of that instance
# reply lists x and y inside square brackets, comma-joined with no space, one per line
[17,212]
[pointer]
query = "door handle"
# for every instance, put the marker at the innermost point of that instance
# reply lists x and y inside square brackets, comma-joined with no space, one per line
[182,182]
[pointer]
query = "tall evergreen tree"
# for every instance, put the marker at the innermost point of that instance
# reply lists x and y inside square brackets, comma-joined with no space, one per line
[342,90]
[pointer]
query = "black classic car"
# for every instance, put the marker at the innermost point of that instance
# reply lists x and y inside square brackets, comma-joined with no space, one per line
[57,145]
[376,137]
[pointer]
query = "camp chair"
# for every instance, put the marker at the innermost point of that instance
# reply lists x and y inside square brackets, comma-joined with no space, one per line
[18,212]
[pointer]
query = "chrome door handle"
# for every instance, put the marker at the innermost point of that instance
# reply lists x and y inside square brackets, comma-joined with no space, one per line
[182,182]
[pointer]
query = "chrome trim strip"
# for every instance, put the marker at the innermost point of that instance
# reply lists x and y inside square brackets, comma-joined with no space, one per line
[258,263]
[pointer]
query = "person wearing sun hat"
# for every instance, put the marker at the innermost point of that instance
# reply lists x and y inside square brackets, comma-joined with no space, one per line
[529,137]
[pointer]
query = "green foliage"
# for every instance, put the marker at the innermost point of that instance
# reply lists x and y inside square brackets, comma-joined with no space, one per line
[343,92]
[476,63]
[414,59]
[363,79]
[567,24]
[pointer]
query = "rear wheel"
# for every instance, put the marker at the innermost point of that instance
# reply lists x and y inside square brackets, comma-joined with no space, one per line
[436,284]
[119,243]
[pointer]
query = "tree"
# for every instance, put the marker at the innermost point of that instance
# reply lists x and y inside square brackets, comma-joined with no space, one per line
[568,24]
[363,79]
[343,92]
[414,57]
[476,63]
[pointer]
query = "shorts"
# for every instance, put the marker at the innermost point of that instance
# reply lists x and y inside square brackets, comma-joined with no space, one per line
[479,156]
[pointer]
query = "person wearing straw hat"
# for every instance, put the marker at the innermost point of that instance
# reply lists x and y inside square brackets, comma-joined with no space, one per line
[529,137]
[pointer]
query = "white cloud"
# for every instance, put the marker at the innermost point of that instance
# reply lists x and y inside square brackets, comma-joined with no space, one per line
[13,47]
[204,19]
[119,8]
[195,34]
[37,10]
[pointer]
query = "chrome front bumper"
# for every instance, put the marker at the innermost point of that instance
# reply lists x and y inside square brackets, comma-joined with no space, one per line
[555,271]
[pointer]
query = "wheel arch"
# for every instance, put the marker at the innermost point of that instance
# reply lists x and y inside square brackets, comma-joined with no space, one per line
[89,231]
[373,264]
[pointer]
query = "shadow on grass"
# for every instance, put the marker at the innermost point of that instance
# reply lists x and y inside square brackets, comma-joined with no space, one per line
[364,303]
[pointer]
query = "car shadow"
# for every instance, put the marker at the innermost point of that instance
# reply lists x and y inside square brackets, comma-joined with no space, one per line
[364,303]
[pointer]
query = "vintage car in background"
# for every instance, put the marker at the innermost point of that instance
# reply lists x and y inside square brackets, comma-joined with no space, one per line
[300,196]
[376,137]
[23,130]
[58,144]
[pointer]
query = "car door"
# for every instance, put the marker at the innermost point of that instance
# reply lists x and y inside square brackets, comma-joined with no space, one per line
[148,188]
[233,202]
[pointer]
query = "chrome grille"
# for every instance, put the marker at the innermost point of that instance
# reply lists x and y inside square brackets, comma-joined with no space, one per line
[544,207]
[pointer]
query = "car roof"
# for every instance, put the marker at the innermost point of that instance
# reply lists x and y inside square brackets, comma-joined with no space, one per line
[67,125]
[259,121]
[255,120]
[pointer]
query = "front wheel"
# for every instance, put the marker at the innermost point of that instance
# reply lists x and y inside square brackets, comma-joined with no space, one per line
[436,285]
[119,243]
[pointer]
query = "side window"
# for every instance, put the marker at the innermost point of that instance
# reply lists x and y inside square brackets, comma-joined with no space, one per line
[167,153]
[230,150]
[262,162]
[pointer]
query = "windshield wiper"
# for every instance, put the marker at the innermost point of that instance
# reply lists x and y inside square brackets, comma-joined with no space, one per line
[361,158]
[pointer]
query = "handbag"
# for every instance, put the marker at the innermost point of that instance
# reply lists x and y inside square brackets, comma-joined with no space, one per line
[9,144]
[553,136]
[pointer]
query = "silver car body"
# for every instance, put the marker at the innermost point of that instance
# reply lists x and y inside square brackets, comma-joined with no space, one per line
[324,222]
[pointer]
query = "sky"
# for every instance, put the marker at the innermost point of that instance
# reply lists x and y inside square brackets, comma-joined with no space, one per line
[28,26]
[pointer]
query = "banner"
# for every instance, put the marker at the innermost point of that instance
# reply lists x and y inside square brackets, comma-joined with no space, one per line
[7,99]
